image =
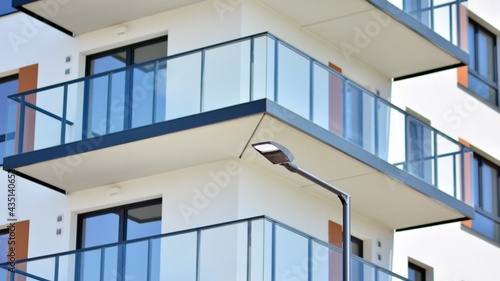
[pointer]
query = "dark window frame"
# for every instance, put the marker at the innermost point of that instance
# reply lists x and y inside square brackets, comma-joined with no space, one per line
[478,190]
[417,268]
[359,242]
[121,210]
[474,71]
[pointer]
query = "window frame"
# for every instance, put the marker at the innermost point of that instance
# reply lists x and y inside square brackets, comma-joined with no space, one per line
[121,210]
[478,28]
[417,268]
[129,51]
[494,216]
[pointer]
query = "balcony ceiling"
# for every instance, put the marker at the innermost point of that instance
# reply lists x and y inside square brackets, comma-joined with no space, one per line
[80,17]
[396,47]
[375,195]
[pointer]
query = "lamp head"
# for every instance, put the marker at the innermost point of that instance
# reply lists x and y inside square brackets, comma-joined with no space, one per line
[274,152]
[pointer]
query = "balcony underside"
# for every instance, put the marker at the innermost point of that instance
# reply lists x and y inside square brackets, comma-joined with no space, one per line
[380,191]
[79,17]
[382,36]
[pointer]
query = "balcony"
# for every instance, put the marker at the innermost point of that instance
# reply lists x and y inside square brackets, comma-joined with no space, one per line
[209,104]
[252,249]
[398,38]
[394,39]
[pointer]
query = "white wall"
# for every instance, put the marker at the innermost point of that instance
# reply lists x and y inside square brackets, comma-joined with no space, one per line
[453,253]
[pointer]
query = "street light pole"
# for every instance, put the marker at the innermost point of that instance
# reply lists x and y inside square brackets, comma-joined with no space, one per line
[278,154]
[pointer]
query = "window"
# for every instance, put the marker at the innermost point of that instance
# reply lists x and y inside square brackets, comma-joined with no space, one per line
[8,86]
[415,272]
[483,79]
[4,241]
[486,192]
[127,98]
[6,7]
[113,226]
[420,149]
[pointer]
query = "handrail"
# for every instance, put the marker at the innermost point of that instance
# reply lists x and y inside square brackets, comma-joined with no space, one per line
[197,230]
[271,88]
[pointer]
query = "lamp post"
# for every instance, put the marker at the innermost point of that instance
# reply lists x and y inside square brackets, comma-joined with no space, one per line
[278,154]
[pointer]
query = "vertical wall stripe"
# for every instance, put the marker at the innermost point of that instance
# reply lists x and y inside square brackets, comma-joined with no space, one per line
[335,258]
[22,238]
[463,71]
[28,80]
[335,89]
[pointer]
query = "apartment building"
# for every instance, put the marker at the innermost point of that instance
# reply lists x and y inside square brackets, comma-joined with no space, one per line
[127,130]
[462,103]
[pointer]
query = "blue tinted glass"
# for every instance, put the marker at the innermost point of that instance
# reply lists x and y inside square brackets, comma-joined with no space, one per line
[472,47]
[484,226]
[6,7]
[7,87]
[4,239]
[100,230]
[144,221]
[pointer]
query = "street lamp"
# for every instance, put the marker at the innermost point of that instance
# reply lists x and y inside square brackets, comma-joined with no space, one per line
[278,154]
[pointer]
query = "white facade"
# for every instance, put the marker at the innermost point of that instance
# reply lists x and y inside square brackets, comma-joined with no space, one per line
[232,188]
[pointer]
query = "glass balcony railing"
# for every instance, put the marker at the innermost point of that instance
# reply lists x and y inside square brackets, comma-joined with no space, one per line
[442,16]
[257,249]
[227,74]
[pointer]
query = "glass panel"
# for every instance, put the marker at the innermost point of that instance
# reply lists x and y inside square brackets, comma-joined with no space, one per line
[489,189]
[291,254]
[261,68]
[107,95]
[143,91]
[108,63]
[8,86]
[112,269]
[226,79]
[391,134]
[90,265]
[483,89]
[322,89]
[471,42]
[136,260]
[359,121]
[100,230]
[293,81]
[107,103]
[485,53]
[183,86]
[160,86]
[150,52]
[144,221]
[224,247]
[257,259]
[179,257]
[442,22]
[74,111]
[324,260]
[486,227]
[448,165]
[4,240]
[475,181]
[420,142]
